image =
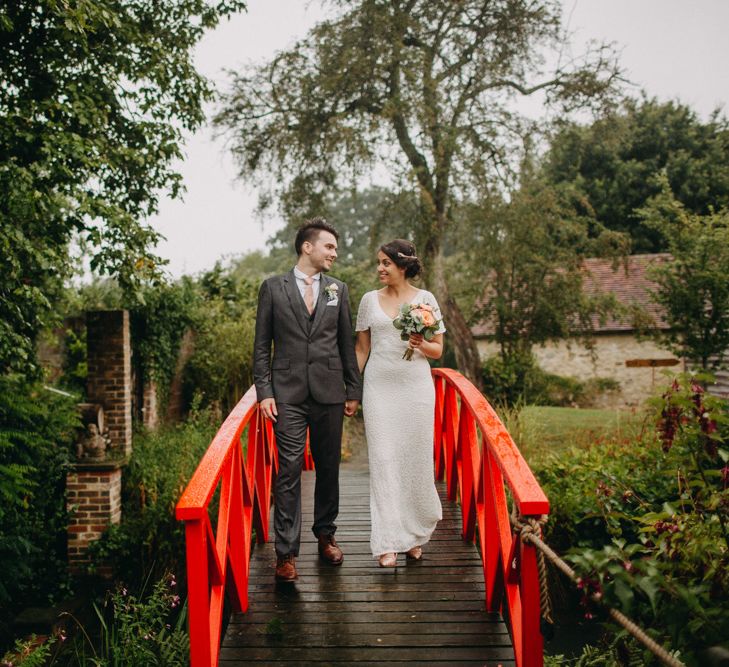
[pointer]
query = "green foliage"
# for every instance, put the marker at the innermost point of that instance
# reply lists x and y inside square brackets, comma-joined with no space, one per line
[150,541]
[221,366]
[647,520]
[37,429]
[364,219]
[692,287]
[617,653]
[530,251]
[136,630]
[614,161]
[75,367]
[29,653]
[158,322]
[96,96]
[517,380]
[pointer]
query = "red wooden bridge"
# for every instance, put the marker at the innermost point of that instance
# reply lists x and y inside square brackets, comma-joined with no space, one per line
[474,598]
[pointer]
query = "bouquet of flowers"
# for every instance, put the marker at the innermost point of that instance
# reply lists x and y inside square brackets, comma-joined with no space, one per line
[419,318]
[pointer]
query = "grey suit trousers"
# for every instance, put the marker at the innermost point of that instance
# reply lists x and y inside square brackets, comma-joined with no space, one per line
[325,424]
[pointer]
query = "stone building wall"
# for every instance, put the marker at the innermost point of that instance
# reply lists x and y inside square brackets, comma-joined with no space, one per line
[608,360]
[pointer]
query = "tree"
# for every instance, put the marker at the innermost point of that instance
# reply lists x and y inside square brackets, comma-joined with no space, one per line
[423,86]
[532,248]
[94,98]
[692,288]
[614,162]
[364,219]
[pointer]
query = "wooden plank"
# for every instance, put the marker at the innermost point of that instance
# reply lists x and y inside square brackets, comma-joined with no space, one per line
[363,624]
[488,656]
[422,612]
[366,663]
[340,637]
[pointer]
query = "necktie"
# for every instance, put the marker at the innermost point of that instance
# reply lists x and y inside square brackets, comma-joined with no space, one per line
[309,294]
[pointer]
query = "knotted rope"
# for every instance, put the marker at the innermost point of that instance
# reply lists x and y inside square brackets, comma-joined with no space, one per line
[533,526]
[530,530]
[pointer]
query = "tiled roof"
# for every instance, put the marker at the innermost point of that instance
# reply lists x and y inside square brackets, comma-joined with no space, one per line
[628,282]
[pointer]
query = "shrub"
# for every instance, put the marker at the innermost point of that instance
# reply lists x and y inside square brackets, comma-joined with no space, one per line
[517,379]
[37,429]
[31,652]
[134,630]
[220,369]
[647,521]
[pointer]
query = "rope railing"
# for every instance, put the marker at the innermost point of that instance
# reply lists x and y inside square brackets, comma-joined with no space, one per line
[530,530]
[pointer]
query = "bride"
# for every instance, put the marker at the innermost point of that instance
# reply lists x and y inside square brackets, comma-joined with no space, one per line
[398,404]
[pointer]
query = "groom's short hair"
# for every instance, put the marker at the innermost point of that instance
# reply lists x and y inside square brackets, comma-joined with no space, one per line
[310,230]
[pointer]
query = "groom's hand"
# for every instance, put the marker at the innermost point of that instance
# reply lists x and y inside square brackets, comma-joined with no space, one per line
[350,408]
[268,408]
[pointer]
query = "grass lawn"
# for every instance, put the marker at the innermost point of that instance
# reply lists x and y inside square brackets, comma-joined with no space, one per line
[540,430]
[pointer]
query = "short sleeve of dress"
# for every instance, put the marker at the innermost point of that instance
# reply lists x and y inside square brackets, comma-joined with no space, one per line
[363,314]
[430,300]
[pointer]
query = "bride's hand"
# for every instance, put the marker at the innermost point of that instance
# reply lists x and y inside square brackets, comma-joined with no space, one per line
[415,340]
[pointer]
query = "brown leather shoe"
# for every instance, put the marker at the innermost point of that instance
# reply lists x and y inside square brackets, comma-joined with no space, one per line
[329,550]
[286,568]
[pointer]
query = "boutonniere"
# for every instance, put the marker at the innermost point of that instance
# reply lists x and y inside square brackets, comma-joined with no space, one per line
[332,291]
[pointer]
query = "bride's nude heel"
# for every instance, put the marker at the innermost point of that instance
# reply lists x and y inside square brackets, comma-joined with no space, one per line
[388,560]
[416,553]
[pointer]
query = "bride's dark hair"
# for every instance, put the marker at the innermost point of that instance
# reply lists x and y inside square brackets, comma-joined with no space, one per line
[403,254]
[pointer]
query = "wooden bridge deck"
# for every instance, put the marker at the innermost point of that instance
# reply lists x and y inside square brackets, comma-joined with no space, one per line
[429,612]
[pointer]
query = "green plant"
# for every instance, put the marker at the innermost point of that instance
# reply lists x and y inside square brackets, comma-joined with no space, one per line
[650,537]
[95,101]
[518,379]
[158,321]
[220,368]
[691,287]
[135,630]
[75,368]
[31,652]
[37,429]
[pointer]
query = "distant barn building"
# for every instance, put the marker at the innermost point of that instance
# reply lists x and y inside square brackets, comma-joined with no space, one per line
[637,365]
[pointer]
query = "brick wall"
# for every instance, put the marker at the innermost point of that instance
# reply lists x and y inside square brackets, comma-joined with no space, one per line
[110,372]
[94,503]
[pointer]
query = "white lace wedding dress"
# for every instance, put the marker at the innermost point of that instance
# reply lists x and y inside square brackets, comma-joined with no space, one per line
[398,405]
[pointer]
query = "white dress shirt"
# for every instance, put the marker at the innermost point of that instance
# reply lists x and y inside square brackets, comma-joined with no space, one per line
[300,275]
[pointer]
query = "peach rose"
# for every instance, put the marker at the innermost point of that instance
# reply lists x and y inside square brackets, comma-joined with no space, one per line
[425,316]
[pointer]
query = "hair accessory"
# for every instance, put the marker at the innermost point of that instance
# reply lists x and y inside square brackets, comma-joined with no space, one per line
[406,256]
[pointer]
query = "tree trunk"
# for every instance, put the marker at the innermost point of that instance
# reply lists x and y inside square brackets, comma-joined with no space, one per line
[467,356]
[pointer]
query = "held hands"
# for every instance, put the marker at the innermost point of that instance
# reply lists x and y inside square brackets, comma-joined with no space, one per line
[350,408]
[268,408]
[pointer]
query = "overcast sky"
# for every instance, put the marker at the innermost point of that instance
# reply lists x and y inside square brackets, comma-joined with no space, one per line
[673,49]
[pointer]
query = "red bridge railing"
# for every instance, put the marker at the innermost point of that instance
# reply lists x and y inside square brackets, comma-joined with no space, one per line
[479,460]
[472,450]
[218,560]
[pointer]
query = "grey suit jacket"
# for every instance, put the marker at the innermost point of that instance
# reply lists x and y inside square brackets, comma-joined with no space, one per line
[312,356]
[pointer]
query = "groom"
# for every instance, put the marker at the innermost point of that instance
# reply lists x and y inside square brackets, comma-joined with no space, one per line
[312,381]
